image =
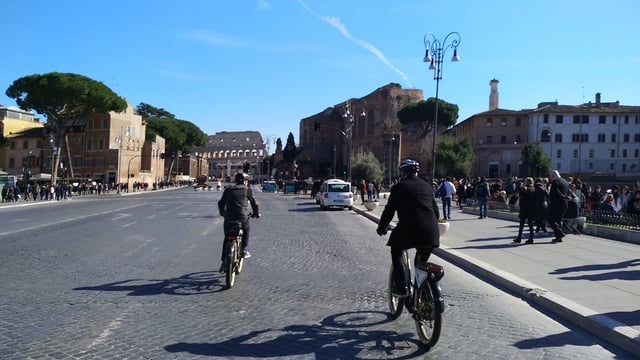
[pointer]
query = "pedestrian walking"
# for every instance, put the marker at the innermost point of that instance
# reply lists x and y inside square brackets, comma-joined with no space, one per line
[527,211]
[482,195]
[558,198]
[541,205]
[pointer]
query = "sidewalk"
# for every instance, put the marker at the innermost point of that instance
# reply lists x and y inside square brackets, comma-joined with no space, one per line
[590,281]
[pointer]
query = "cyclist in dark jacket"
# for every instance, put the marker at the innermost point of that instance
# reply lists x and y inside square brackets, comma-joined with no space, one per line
[417,226]
[234,206]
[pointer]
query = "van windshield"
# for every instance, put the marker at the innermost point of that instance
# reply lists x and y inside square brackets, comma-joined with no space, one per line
[338,188]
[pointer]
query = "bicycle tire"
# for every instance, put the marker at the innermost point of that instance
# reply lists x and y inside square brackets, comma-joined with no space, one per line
[240,256]
[427,317]
[232,252]
[396,304]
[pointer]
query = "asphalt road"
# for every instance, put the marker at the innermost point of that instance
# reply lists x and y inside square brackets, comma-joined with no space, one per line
[136,277]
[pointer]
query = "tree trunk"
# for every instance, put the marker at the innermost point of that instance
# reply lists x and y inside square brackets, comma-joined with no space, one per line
[70,163]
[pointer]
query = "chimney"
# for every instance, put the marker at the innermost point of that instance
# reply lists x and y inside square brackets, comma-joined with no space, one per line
[597,99]
[493,96]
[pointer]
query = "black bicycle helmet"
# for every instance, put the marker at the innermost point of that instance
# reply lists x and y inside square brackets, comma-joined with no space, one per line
[409,167]
[241,177]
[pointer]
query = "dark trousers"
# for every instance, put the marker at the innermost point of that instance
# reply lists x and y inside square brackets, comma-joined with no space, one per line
[555,214]
[529,222]
[245,235]
[422,255]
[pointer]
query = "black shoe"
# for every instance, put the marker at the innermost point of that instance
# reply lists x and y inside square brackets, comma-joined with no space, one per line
[557,240]
[223,267]
[517,240]
[530,241]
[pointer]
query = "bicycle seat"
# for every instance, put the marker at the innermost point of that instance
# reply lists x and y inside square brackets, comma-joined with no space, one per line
[233,229]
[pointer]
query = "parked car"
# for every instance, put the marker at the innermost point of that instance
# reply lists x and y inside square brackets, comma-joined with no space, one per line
[335,192]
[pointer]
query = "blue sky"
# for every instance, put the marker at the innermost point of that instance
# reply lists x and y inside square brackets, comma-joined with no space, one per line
[266,64]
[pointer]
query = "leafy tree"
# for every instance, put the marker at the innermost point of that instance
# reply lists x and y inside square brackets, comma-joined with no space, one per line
[180,135]
[454,158]
[421,114]
[537,162]
[289,152]
[366,166]
[64,98]
[148,111]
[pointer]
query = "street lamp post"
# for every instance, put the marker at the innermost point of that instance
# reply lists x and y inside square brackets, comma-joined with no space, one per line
[438,49]
[348,114]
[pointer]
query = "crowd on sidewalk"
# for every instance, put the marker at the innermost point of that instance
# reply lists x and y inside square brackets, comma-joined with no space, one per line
[550,203]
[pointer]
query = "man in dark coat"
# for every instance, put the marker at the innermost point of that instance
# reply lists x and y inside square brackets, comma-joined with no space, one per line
[234,206]
[417,226]
[527,210]
[558,197]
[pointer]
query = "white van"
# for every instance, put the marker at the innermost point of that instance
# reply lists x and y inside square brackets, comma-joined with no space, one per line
[335,192]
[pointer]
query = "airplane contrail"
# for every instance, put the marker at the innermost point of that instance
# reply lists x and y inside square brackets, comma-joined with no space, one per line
[335,22]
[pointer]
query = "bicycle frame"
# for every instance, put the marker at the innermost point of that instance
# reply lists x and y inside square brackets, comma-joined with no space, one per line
[424,302]
[234,261]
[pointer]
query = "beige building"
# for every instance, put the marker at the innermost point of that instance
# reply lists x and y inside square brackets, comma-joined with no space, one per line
[229,152]
[12,122]
[105,148]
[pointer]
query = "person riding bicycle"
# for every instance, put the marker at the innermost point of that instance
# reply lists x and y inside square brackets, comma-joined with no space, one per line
[234,206]
[414,200]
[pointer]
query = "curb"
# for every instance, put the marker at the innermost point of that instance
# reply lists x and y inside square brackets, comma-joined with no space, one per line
[612,331]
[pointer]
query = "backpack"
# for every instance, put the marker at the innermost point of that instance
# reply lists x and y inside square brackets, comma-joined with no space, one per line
[442,192]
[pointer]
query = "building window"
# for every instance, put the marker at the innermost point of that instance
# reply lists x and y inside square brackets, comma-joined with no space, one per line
[559,154]
[585,119]
[489,122]
[77,161]
[545,118]
[489,140]
[602,119]
[624,153]
[626,119]
[87,162]
[625,138]
[518,122]
[89,124]
[503,121]
[503,139]
[636,153]
[612,153]
[100,162]
[613,138]
[89,145]
[558,119]
[545,136]
[636,137]
[101,143]
[558,138]
[590,166]
[611,166]
[601,138]
[517,139]
[576,119]
[591,154]
[575,154]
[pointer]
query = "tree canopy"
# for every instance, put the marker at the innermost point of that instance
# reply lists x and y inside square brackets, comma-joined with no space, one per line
[367,167]
[537,162]
[421,114]
[179,135]
[63,98]
[454,157]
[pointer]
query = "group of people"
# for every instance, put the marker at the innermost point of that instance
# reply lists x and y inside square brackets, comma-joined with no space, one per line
[369,191]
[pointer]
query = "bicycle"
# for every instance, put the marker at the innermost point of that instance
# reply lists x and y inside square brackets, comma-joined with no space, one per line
[424,301]
[232,247]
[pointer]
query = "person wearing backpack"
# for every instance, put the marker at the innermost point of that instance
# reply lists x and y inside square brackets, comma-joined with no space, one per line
[482,195]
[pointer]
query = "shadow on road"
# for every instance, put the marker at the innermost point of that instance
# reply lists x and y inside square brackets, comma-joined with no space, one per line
[190,284]
[342,336]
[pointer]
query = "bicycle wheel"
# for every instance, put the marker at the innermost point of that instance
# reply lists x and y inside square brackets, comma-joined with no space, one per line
[232,253]
[396,304]
[428,319]
[240,256]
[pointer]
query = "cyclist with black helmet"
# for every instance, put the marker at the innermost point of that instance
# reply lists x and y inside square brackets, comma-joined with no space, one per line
[234,206]
[417,227]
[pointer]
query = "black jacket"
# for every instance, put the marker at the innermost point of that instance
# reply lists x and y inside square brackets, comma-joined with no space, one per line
[418,215]
[234,203]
